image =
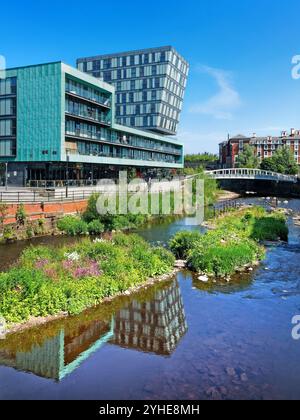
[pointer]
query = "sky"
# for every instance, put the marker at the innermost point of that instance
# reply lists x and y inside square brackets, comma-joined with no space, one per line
[240,54]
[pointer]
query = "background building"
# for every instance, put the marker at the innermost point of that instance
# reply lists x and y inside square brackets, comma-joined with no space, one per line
[56,121]
[150,86]
[264,147]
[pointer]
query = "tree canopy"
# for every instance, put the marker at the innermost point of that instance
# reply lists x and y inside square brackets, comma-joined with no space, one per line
[282,162]
[201,157]
[247,158]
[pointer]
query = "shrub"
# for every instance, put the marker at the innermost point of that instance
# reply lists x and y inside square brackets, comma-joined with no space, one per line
[270,229]
[9,234]
[21,215]
[91,212]
[225,258]
[95,227]
[72,226]
[182,242]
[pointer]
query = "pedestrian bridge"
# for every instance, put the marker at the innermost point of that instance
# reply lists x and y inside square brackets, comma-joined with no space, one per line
[251,174]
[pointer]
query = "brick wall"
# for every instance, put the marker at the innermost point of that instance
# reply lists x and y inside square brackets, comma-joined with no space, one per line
[37,211]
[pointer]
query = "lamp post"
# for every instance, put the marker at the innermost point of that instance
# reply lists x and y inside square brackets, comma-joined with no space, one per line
[67,175]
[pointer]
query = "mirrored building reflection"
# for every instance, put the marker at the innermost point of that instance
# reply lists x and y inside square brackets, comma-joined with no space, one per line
[153,325]
[156,326]
[59,355]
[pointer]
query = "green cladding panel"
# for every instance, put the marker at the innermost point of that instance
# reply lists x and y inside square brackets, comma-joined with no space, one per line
[39,110]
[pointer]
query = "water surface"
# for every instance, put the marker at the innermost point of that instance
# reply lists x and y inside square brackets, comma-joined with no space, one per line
[178,340]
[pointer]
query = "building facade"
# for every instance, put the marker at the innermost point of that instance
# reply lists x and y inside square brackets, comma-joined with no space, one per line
[264,147]
[150,86]
[56,121]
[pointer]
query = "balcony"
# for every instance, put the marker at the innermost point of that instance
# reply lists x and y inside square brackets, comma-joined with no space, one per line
[89,136]
[72,152]
[103,120]
[100,101]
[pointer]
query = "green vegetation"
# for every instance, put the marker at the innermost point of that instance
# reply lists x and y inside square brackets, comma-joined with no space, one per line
[211,189]
[93,223]
[232,244]
[72,225]
[183,242]
[282,162]
[50,281]
[201,158]
[112,222]
[3,214]
[247,158]
[21,215]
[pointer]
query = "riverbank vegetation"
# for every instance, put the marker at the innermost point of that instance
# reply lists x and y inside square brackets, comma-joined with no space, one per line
[233,243]
[49,281]
[93,223]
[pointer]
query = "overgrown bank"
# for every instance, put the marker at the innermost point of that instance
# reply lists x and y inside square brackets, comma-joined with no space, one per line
[233,243]
[50,281]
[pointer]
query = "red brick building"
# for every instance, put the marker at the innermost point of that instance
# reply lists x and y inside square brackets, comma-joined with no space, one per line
[264,147]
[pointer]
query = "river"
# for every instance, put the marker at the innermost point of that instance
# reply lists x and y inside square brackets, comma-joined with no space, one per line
[179,340]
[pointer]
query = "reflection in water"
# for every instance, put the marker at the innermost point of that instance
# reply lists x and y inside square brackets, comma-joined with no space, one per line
[153,325]
[61,354]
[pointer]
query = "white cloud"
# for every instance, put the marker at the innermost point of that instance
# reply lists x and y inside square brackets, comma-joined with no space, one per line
[222,104]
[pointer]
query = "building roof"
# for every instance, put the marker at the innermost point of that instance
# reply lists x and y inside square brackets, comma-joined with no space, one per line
[239,136]
[133,52]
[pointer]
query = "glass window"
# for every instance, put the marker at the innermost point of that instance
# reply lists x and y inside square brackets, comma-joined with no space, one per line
[7,147]
[8,86]
[6,107]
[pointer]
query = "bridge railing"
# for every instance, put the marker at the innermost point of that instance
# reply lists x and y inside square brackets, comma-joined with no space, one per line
[251,174]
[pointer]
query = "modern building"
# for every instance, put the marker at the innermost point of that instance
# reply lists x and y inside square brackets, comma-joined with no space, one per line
[150,86]
[264,147]
[58,122]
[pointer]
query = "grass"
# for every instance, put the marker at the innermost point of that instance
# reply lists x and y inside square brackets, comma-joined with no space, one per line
[50,281]
[232,244]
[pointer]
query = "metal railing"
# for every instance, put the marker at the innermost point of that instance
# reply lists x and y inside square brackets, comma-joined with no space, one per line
[17,197]
[225,206]
[244,173]
[46,184]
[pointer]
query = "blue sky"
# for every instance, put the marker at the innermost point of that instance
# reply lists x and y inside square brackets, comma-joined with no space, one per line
[240,54]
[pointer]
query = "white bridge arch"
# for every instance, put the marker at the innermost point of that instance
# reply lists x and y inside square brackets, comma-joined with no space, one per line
[256,174]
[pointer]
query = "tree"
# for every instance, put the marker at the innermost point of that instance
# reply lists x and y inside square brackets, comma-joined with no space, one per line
[282,162]
[201,158]
[247,158]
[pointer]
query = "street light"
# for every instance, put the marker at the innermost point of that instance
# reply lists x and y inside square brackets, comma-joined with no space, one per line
[67,175]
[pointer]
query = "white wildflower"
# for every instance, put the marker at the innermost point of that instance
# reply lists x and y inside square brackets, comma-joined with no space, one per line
[74,256]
